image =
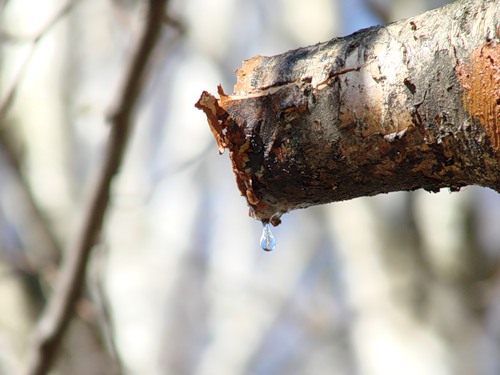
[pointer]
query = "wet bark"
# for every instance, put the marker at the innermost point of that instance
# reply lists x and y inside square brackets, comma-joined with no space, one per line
[412,105]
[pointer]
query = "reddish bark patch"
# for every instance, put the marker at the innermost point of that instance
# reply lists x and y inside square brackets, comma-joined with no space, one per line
[209,104]
[230,135]
[480,79]
[245,74]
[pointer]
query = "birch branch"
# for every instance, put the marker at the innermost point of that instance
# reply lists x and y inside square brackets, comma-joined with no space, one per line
[412,105]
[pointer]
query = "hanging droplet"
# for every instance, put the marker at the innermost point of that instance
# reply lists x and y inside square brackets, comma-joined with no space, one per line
[267,241]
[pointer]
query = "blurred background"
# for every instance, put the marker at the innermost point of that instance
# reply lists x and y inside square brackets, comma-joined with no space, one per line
[404,283]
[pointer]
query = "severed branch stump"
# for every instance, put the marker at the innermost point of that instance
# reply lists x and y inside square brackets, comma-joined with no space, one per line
[412,105]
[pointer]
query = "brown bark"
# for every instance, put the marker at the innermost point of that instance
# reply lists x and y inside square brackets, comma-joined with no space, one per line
[412,105]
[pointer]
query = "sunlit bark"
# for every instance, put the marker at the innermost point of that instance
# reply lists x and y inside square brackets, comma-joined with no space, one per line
[412,105]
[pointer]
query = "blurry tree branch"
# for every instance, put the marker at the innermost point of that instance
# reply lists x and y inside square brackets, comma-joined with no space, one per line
[412,105]
[41,238]
[49,243]
[61,305]
[175,23]
[34,40]
[103,309]
[379,9]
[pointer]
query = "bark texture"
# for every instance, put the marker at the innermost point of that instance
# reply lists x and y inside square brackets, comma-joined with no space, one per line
[412,105]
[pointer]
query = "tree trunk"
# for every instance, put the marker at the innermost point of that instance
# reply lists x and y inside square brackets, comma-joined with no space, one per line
[412,105]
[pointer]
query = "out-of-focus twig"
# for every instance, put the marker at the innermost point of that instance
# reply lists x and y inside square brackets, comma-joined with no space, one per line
[46,241]
[171,170]
[61,306]
[102,306]
[380,10]
[34,40]
[176,23]
[47,245]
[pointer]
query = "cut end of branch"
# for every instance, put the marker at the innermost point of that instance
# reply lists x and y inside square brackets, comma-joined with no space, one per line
[209,104]
[229,135]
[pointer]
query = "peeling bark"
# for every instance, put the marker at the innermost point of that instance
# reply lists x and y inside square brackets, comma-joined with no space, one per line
[412,105]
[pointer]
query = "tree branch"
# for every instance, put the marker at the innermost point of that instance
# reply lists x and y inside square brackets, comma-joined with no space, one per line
[412,105]
[34,41]
[41,238]
[48,244]
[59,311]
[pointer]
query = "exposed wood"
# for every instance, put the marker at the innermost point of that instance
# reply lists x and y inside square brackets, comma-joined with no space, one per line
[412,105]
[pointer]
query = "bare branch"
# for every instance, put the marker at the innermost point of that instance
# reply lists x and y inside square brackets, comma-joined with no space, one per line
[60,309]
[102,306]
[34,40]
[380,10]
[47,245]
[176,23]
